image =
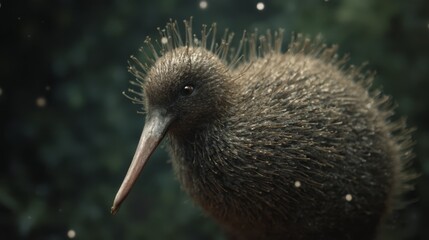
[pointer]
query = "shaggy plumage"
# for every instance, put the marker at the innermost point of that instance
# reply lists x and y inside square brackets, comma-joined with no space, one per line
[275,145]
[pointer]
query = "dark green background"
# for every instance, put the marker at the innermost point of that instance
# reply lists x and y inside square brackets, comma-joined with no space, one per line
[61,164]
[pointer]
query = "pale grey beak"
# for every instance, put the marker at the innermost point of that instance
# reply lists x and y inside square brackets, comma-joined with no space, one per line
[157,124]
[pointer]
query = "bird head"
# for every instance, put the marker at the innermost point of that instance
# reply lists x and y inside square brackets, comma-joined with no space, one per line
[188,86]
[183,91]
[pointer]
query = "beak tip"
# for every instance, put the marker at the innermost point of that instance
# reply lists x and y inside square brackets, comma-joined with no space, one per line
[114,210]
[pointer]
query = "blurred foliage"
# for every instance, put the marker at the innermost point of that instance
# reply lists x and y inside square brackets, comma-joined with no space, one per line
[62,162]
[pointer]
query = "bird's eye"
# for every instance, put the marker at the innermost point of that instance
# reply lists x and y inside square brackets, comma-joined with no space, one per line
[187,90]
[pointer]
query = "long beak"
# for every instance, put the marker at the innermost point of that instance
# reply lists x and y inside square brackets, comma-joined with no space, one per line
[157,123]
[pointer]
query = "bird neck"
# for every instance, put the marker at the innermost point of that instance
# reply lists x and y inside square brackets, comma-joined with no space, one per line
[196,160]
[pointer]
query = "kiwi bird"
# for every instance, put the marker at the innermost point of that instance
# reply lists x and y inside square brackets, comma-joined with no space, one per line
[272,143]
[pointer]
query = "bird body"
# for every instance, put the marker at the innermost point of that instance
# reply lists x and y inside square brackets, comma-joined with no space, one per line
[276,145]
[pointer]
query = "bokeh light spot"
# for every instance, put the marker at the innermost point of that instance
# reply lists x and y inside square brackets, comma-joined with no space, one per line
[349,197]
[41,102]
[164,40]
[260,6]
[71,233]
[203,4]
[297,184]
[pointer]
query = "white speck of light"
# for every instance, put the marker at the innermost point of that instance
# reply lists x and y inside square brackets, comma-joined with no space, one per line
[41,102]
[164,40]
[349,197]
[260,6]
[71,233]
[203,4]
[297,184]
[269,90]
